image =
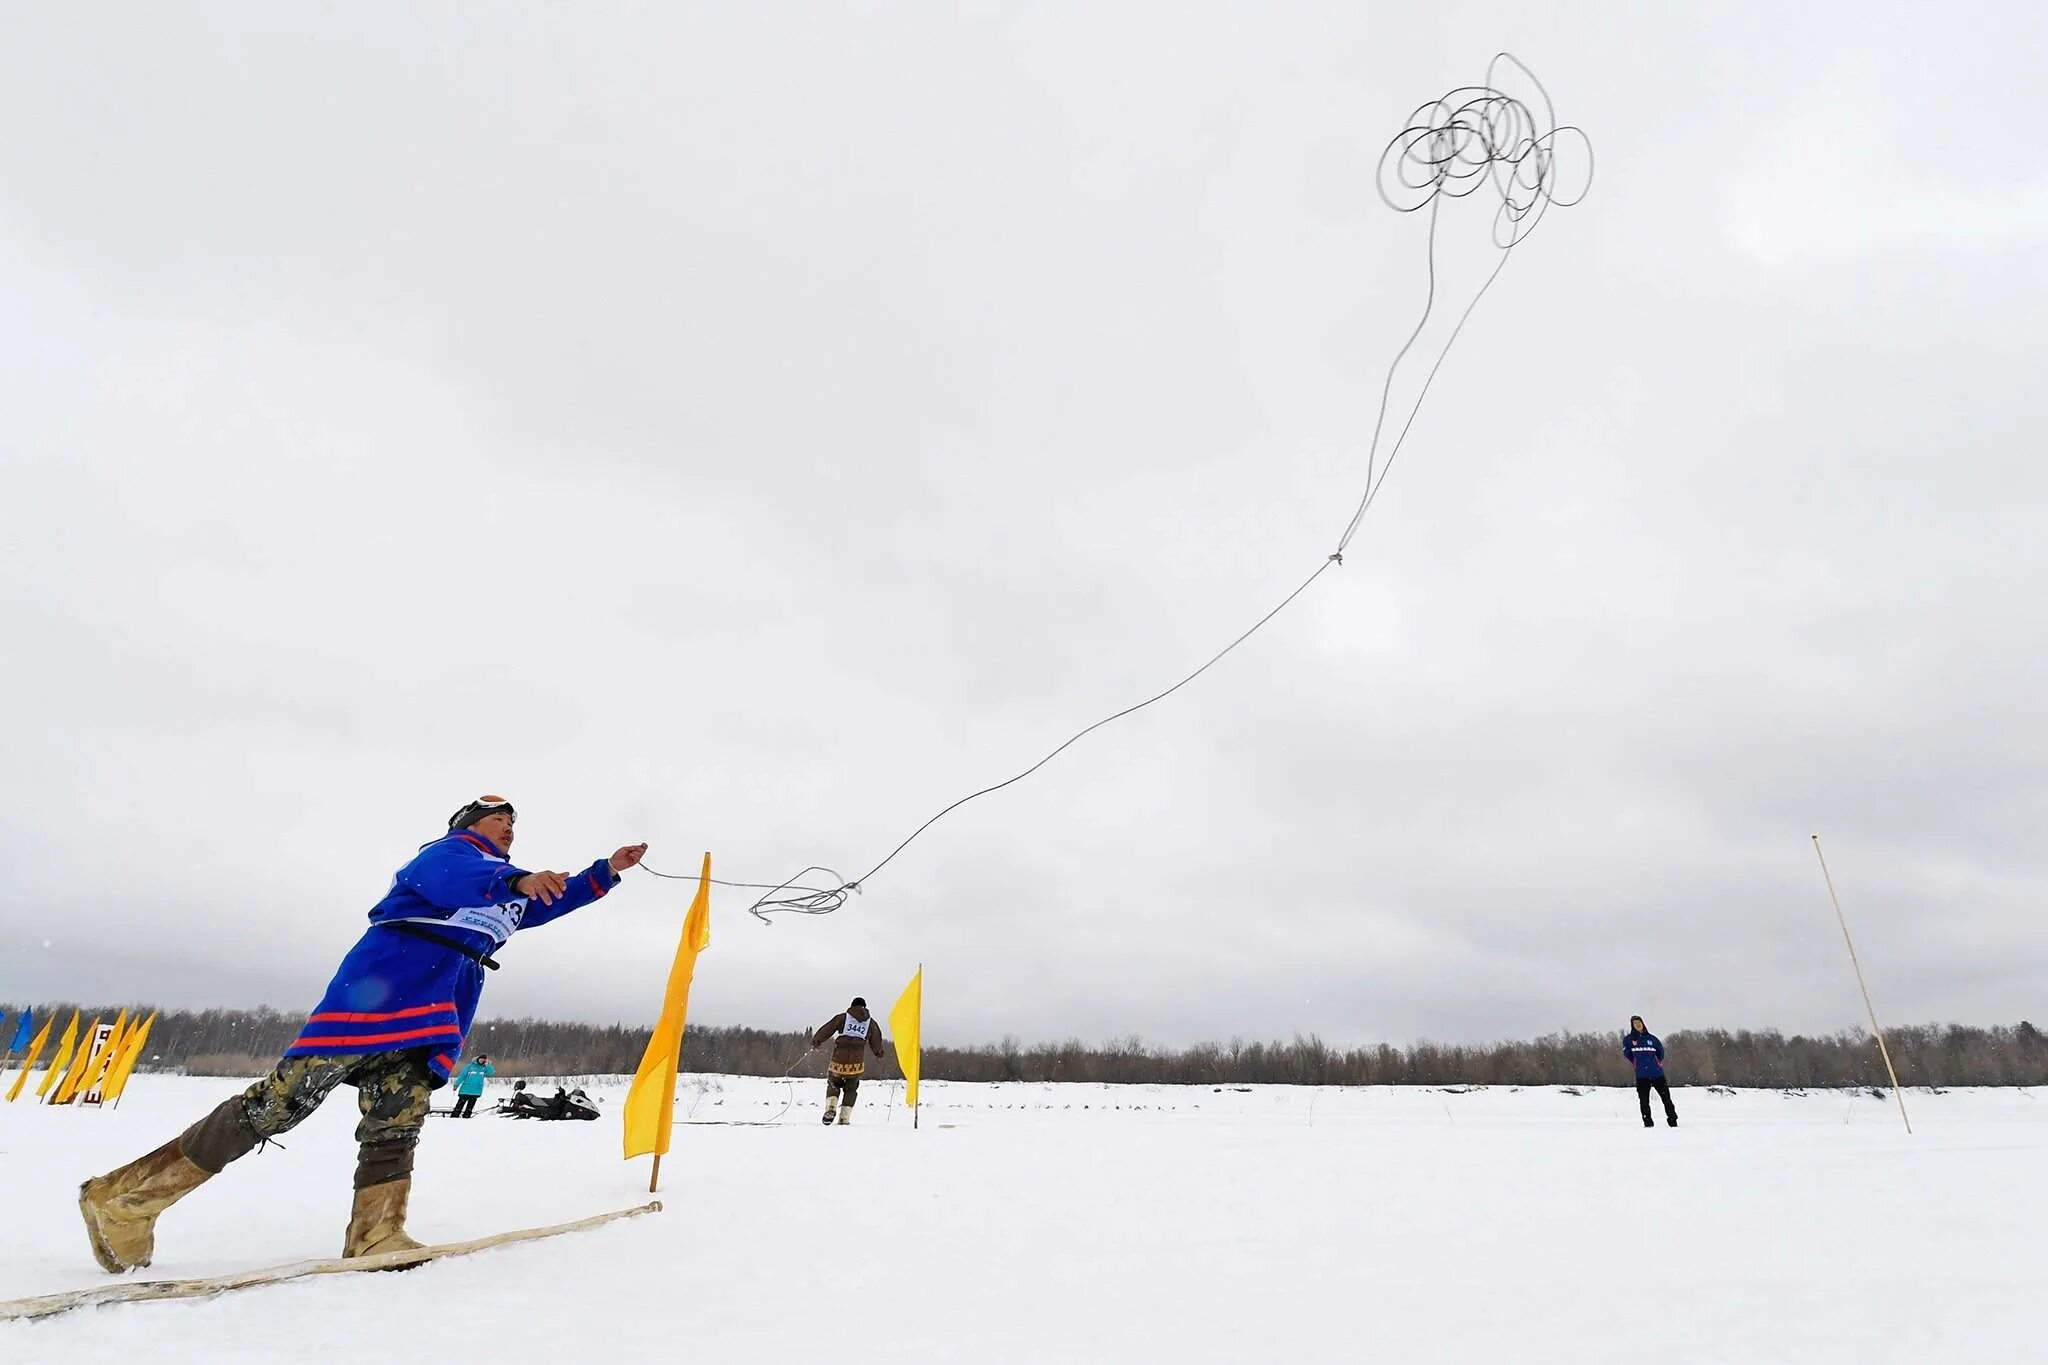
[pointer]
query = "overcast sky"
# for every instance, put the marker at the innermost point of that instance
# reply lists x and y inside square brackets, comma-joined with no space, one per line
[749,429]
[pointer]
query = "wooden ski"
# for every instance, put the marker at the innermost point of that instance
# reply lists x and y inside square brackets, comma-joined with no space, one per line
[143,1291]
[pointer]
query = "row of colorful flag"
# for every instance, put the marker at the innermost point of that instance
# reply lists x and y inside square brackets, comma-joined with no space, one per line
[651,1100]
[92,1066]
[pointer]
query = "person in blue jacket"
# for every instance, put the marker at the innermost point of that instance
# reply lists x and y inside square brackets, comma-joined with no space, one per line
[469,1085]
[391,1025]
[1646,1050]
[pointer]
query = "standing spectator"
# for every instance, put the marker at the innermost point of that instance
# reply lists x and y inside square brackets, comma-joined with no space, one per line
[1646,1050]
[469,1085]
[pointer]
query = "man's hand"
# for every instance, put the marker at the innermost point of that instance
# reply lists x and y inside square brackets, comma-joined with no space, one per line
[545,887]
[629,856]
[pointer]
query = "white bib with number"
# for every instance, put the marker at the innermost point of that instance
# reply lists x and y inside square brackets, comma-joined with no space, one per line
[495,922]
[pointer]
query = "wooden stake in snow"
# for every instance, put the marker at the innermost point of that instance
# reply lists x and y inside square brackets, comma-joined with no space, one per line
[1869,1008]
[144,1291]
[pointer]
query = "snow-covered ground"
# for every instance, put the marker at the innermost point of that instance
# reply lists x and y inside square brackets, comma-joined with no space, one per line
[1097,1223]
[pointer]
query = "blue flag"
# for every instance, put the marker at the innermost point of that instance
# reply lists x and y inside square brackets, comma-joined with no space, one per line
[21,1031]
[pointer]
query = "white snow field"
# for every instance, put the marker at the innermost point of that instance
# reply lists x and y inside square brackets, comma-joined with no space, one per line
[1098,1223]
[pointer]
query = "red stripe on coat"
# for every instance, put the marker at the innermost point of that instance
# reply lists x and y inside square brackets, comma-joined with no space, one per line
[340,1017]
[438,1031]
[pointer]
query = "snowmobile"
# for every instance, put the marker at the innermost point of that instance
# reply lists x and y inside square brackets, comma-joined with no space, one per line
[563,1104]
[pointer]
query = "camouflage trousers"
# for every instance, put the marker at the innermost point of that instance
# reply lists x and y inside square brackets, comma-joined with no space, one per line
[392,1090]
[842,1088]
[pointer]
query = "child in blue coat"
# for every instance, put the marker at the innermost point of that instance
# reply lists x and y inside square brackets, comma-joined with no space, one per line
[469,1085]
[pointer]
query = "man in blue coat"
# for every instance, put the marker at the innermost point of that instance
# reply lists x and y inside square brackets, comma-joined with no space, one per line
[391,1025]
[1646,1050]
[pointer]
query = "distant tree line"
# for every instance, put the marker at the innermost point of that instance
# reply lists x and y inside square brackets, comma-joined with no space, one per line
[248,1042]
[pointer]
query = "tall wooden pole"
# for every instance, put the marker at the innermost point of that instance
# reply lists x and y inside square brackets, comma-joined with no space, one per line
[1869,1008]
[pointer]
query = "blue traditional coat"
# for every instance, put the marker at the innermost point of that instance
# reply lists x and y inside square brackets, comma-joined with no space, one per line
[414,978]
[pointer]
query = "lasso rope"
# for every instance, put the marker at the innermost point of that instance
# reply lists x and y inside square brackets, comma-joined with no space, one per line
[1471,138]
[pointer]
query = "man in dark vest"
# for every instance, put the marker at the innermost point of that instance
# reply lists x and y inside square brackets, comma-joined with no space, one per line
[856,1034]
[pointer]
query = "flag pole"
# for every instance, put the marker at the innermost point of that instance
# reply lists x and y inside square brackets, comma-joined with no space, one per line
[650,1109]
[918,1108]
[1869,1008]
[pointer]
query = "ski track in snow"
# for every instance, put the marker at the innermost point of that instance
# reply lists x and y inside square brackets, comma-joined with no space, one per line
[1056,1223]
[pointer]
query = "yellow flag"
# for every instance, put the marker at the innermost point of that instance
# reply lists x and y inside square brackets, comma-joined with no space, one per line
[96,1070]
[117,1080]
[35,1050]
[651,1102]
[906,1019]
[57,1063]
[67,1089]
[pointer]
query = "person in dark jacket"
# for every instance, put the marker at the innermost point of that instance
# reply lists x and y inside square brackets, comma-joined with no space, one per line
[856,1035]
[1646,1050]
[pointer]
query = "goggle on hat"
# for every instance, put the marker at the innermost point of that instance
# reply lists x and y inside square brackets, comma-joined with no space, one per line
[480,808]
